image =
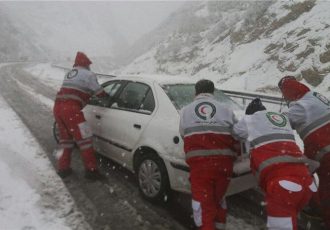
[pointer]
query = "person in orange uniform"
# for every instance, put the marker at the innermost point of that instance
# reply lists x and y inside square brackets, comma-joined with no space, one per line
[206,127]
[78,86]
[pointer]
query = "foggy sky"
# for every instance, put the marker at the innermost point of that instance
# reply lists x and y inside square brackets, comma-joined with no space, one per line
[59,28]
[135,18]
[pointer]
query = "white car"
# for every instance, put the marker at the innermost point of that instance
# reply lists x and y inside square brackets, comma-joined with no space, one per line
[138,127]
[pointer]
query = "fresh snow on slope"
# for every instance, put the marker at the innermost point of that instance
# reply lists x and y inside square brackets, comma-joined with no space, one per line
[32,196]
[248,46]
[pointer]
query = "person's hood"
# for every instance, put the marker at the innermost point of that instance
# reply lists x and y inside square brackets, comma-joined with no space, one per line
[82,60]
[293,90]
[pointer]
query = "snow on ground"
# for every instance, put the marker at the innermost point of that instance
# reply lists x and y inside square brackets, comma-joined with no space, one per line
[47,74]
[44,100]
[32,196]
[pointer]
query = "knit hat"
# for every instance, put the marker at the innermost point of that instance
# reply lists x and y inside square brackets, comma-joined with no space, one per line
[292,89]
[254,106]
[82,60]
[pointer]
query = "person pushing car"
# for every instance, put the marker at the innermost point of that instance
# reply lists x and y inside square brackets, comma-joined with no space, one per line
[278,164]
[206,127]
[78,86]
[309,115]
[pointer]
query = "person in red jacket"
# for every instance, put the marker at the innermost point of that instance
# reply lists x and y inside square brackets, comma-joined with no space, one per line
[278,164]
[309,115]
[206,126]
[78,86]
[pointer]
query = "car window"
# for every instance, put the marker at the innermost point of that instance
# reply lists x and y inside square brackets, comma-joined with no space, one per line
[132,96]
[111,89]
[149,102]
[183,94]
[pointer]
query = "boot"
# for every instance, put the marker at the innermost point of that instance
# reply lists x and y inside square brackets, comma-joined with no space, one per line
[94,175]
[64,173]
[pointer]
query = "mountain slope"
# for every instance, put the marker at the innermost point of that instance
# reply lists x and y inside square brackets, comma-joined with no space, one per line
[246,45]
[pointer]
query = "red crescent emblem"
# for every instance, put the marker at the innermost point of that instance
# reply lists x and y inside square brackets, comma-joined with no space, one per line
[202,109]
[276,118]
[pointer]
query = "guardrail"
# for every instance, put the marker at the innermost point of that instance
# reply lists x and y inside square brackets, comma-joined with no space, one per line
[245,96]
[250,96]
[68,68]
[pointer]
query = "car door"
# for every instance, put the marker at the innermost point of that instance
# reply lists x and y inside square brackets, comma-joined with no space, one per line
[122,124]
[98,106]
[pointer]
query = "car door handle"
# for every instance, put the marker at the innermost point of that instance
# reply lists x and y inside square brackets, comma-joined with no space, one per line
[137,126]
[98,116]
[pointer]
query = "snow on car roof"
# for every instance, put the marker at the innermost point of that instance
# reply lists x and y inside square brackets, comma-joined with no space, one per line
[160,79]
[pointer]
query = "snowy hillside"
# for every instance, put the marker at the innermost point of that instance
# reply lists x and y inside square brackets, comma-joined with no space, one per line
[242,45]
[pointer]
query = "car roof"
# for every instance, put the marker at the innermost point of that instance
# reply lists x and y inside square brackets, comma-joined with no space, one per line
[160,79]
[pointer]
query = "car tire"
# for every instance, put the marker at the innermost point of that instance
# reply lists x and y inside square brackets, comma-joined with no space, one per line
[153,179]
[56,132]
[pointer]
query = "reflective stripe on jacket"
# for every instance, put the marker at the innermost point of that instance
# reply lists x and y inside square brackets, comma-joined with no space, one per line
[312,165]
[270,138]
[206,127]
[210,152]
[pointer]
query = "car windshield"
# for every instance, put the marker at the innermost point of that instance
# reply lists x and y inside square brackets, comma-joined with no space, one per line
[183,94]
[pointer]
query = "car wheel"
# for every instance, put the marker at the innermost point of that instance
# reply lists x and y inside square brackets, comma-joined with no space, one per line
[153,178]
[56,132]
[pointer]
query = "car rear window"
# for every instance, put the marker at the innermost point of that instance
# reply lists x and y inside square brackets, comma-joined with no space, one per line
[183,94]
